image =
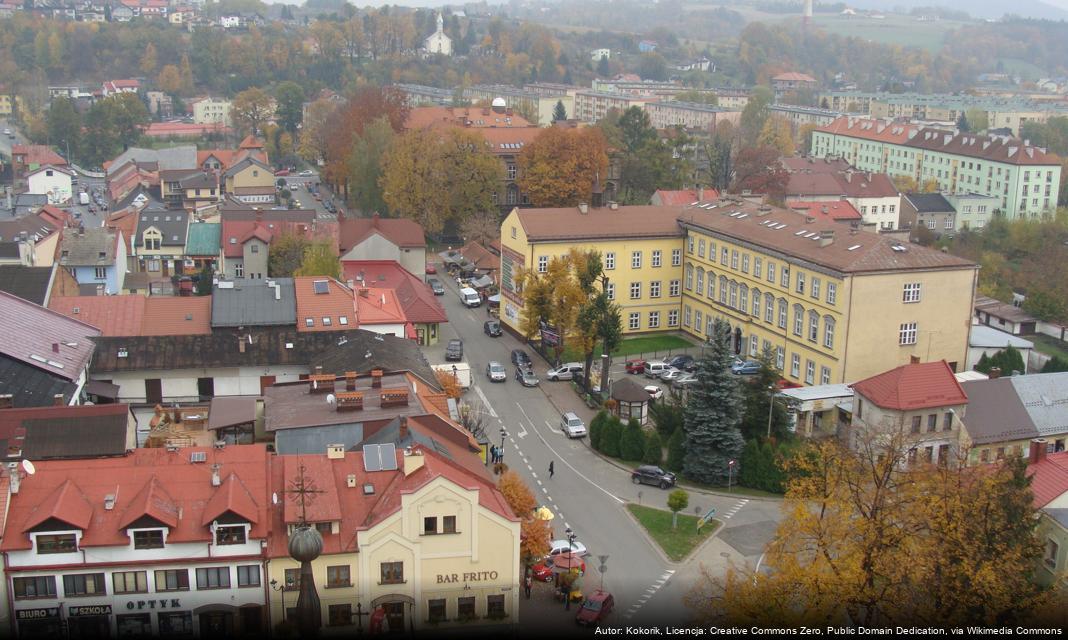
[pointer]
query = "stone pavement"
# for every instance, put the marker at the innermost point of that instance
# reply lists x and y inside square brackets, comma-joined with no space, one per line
[543,612]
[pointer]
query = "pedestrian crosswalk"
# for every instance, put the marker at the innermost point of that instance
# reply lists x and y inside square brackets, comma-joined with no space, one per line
[735,509]
[649,593]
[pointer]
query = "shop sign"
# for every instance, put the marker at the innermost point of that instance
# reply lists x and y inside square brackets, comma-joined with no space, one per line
[139,605]
[90,610]
[37,614]
[470,576]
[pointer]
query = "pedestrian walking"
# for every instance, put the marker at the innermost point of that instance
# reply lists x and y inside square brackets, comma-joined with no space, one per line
[527,584]
[550,469]
[493,454]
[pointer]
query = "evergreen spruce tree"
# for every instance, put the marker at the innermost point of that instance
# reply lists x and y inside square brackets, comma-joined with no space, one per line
[613,430]
[632,442]
[713,414]
[676,450]
[559,112]
[654,449]
[983,366]
[597,429]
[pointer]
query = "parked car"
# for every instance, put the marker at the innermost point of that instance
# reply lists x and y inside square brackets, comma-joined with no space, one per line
[520,358]
[556,547]
[635,366]
[526,377]
[281,173]
[655,368]
[671,374]
[491,328]
[430,269]
[565,371]
[436,286]
[495,372]
[544,570]
[307,172]
[747,368]
[595,608]
[655,392]
[654,475]
[685,380]
[454,350]
[572,425]
[684,362]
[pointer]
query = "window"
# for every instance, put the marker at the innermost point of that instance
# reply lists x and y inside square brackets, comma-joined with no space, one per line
[947,421]
[795,365]
[338,576]
[513,228]
[734,259]
[656,257]
[782,313]
[686,315]
[907,334]
[654,319]
[436,610]
[723,254]
[754,345]
[931,223]
[239,270]
[799,320]
[916,424]
[758,300]
[813,326]
[825,375]
[654,289]
[711,286]
[511,171]
[673,318]
[828,332]
[430,526]
[634,321]
[734,295]
[700,287]
[636,260]
[697,317]
[949,223]
[610,290]
[745,263]
[784,278]
[495,606]
[172,580]
[233,534]
[392,572]
[832,293]
[57,543]
[100,273]
[448,524]
[801,283]
[673,288]
[309,322]
[911,292]
[326,321]
[130,581]
[1050,555]
[176,624]
[465,608]
[635,290]
[37,587]
[771,272]
[543,264]
[343,320]
[743,298]
[248,575]
[689,277]
[292,578]
[810,372]
[84,584]
[932,423]
[340,615]
[609,261]
[690,242]
[814,290]
[701,248]
[676,257]
[150,539]
[758,264]
[254,248]
[213,578]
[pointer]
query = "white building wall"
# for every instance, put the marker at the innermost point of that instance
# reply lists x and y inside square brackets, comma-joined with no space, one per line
[180,385]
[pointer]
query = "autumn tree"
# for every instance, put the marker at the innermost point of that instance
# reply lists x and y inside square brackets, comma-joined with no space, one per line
[170,79]
[755,114]
[559,167]
[316,130]
[347,122]
[285,254]
[776,133]
[289,98]
[320,259]
[65,125]
[365,165]
[252,108]
[437,176]
[450,386]
[482,226]
[149,60]
[534,534]
[646,162]
[758,170]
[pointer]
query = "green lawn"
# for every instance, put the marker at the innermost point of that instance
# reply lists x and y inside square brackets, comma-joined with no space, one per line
[676,543]
[655,346]
[1049,345]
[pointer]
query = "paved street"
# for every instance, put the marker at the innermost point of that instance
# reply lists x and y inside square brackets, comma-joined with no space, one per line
[587,492]
[298,186]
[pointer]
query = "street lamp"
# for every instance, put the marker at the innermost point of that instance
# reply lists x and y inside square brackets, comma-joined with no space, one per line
[503,434]
[771,406]
[730,473]
[282,588]
[570,560]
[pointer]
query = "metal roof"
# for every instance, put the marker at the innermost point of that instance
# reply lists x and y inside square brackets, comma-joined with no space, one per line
[243,303]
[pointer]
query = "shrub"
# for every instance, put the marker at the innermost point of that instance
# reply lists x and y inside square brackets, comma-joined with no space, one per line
[613,432]
[597,429]
[632,442]
[676,450]
[654,449]
[762,465]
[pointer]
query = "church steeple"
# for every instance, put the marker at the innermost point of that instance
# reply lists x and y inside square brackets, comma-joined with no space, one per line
[441,23]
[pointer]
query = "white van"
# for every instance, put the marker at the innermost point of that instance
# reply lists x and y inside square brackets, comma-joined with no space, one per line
[470,297]
[565,371]
[655,368]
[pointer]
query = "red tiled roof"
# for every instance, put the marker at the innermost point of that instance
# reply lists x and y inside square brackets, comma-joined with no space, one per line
[509,141]
[251,142]
[913,386]
[113,315]
[39,154]
[834,210]
[154,502]
[996,148]
[854,184]
[793,76]
[176,316]
[379,306]
[125,221]
[400,231]
[337,302]
[871,129]
[74,491]
[325,507]
[1049,478]
[415,297]
[474,117]
[480,256]
[238,224]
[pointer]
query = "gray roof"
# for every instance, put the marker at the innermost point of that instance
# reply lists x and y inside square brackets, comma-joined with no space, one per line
[1017,407]
[818,392]
[93,247]
[181,157]
[983,336]
[173,224]
[28,283]
[929,203]
[200,179]
[243,303]
[244,163]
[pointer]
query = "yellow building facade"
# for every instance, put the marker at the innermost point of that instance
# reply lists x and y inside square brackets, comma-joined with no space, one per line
[641,250]
[430,546]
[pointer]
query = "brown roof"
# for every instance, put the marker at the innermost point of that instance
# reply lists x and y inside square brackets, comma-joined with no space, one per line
[125,221]
[568,223]
[834,210]
[135,315]
[177,316]
[228,411]
[1002,310]
[871,129]
[320,297]
[509,141]
[293,406]
[400,231]
[480,256]
[475,117]
[854,184]
[814,165]
[919,385]
[996,148]
[37,154]
[783,231]
[793,76]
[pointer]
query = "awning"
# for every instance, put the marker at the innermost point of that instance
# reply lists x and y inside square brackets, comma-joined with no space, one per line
[102,389]
[494,299]
[482,282]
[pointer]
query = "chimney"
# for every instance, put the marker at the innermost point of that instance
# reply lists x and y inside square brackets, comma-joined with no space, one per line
[350,481]
[55,347]
[109,502]
[914,359]
[403,428]
[7,401]
[584,208]
[826,237]
[376,378]
[216,479]
[14,478]
[808,219]
[413,461]
[364,293]
[259,216]
[335,452]
[995,373]
[58,400]
[350,381]
[1037,452]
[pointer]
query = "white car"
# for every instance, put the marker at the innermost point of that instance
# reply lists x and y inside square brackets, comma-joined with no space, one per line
[307,172]
[654,392]
[556,547]
[572,425]
[671,374]
[496,372]
[654,368]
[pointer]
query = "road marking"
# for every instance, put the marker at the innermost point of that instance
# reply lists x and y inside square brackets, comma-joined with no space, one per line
[534,474]
[544,489]
[485,401]
[733,510]
[522,429]
[539,483]
[649,593]
[551,499]
[530,468]
[577,472]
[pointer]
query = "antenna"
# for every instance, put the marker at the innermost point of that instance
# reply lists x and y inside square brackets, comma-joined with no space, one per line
[28,467]
[274,498]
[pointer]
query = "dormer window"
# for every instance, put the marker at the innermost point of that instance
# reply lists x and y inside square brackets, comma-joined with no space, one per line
[148,539]
[57,543]
[230,534]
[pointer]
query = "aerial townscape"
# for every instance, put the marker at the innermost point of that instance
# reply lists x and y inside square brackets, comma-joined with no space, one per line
[533,318]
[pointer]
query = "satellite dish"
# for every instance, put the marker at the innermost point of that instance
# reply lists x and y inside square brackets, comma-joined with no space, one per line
[330,399]
[274,498]
[28,467]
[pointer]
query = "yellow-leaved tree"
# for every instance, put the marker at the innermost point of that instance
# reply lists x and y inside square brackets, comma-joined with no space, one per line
[534,534]
[560,166]
[777,134]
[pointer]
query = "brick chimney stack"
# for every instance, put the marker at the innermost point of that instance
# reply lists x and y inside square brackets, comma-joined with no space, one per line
[403,428]
[1037,451]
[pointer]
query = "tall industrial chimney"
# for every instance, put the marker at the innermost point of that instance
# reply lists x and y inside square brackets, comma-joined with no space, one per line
[807,14]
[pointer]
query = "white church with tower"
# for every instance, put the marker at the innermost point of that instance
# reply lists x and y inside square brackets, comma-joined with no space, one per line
[438,42]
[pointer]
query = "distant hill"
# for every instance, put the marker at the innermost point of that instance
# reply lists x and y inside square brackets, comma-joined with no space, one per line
[1040,9]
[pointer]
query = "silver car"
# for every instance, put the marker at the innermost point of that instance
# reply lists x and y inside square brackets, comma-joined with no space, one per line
[572,425]
[526,377]
[685,380]
[496,372]
[671,374]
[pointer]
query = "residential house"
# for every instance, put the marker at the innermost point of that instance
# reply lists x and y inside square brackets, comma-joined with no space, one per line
[973,210]
[38,285]
[159,242]
[792,82]
[159,103]
[54,182]
[95,256]
[645,46]
[324,304]
[873,194]
[469,117]
[250,181]
[401,240]
[79,431]
[483,261]
[810,164]
[379,309]
[230,22]
[591,106]
[818,411]
[26,158]
[929,210]
[507,100]
[128,316]
[247,234]
[202,246]
[184,531]
[254,303]
[1048,472]
[44,356]
[1006,413]
[129,85]
[600,54]
[918,405]
[506,145]
[419,305]
[984,340]
[121,13]
[1009,318]
[31,240]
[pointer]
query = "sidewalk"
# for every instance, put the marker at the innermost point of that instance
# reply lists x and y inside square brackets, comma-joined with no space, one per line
[545,613]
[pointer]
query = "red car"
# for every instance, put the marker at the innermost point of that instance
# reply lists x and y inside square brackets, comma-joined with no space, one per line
[635,366]
[544,569]
[281,172]
[431,269]
[596,607]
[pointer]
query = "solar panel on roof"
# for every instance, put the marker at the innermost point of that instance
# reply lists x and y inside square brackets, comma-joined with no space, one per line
[387,455]
[372,460]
